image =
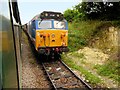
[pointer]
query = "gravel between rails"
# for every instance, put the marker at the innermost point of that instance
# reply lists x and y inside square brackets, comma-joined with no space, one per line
[32,73]
[61,77]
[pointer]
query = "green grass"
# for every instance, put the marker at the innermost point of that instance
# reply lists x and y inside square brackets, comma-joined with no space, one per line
[88,75]
[81,32]
[80,55]
[110,69]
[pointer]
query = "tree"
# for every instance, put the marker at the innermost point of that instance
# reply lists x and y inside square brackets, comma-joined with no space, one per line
[94,10]
[70,15]
[100,10]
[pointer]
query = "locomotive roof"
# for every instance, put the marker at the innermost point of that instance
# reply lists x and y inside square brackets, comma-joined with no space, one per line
[49,15]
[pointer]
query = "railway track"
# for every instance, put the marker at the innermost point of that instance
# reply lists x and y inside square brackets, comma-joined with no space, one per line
[62,77]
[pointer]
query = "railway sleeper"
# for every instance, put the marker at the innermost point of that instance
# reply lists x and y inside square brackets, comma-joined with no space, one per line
[56,78]
[66,80]
[67,85]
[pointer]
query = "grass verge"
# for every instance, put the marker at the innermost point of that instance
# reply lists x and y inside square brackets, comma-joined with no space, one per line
[110,69]
[80,33]
[88,75]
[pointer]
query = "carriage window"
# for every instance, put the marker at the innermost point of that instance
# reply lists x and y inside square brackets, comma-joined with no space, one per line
[44,24]
[59,24]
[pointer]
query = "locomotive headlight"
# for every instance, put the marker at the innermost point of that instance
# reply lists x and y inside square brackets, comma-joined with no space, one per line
[63,44]
[58,15]
[53,35]
[46,14]
[38,33]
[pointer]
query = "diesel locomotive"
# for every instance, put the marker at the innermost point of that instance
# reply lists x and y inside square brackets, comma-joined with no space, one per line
[49,33]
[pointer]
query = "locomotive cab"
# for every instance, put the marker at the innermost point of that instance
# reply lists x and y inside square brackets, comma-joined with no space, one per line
[49,32]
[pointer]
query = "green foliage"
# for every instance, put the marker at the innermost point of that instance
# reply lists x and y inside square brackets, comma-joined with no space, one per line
[94,10]
[88,75]
[71,15]
[110,69]
[80,33]
[116,23]
[68,14]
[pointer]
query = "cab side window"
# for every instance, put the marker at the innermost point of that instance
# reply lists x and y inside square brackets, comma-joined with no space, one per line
[33,25]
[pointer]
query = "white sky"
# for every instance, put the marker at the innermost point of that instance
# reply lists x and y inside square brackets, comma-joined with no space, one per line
[29,8]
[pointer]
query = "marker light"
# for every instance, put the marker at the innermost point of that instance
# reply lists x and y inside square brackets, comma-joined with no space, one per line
[38,33]
[58,15]
[63,44]
[46,14]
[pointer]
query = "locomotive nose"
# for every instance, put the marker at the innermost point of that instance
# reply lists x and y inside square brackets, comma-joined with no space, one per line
[51,38]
